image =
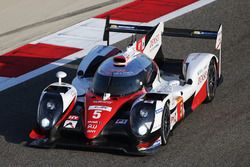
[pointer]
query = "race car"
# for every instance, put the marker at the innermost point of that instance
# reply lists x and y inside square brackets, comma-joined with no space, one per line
[128,100]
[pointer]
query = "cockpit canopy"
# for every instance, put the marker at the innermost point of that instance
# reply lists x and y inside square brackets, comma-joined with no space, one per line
[121,80]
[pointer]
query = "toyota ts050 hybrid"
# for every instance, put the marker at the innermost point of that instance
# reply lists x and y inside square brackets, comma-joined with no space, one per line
[127,100]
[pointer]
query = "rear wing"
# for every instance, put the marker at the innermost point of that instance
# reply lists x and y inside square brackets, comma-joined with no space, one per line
[150,43]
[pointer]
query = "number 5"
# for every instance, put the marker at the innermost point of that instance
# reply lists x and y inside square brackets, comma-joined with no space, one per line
[97,114]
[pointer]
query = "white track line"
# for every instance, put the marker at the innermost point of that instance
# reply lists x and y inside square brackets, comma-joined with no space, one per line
[181,11]
[74,36]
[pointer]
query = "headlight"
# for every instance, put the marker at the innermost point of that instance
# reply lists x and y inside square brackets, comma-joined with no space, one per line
[142,118]
[45,123]
[50,109]
[51,105]
[142,130]
[143,113]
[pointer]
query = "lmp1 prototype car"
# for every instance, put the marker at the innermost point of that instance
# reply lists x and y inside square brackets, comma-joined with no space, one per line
[127,100]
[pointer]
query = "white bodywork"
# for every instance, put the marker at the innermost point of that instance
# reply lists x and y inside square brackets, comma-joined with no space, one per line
[67,97]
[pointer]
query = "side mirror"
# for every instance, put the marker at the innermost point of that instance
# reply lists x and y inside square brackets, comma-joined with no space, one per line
[60,75]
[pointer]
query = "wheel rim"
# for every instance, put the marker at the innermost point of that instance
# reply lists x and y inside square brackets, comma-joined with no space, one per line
[211,81]
[166,124]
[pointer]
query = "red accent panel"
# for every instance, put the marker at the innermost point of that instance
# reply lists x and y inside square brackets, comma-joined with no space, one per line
[71,106]
[147,144]
[35,135]
[30,57]
[98,111]
[145,10]
[200,97]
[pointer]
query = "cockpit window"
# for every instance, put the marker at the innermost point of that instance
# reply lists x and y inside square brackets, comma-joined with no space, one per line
[118,86]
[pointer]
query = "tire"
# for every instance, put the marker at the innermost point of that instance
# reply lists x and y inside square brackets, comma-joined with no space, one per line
[165,126]
[212,79]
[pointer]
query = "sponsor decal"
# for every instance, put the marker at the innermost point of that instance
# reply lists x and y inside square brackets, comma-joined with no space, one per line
[93,122]
[103,108]
[140,45]
[103,102]
[91,131]
[173,119]
[92,126]
[202,78]
[121,121]
[123,26]
[149,101]
[154,40]
[106,96]
[180,108]
[70,124]
[73,117]
[158,110]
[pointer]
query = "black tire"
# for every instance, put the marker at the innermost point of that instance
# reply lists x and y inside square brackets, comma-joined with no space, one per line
[212,79]
[165,126]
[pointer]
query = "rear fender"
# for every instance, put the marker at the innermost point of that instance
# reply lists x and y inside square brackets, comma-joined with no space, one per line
[195,68]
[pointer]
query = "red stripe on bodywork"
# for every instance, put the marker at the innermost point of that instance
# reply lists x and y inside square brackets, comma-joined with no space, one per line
[35,135]
[30,57]
[145,10]
[200,97]
[70,108]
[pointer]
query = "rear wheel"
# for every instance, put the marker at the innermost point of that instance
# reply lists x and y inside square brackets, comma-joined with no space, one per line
[212,79]
[165,126]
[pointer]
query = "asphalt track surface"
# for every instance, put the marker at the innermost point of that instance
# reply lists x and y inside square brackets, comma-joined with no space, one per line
[216,134]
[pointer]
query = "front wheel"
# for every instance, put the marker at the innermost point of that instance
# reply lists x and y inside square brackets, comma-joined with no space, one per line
[165,126]
[212,79]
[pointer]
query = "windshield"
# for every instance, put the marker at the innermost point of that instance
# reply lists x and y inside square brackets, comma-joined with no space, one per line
[117,86]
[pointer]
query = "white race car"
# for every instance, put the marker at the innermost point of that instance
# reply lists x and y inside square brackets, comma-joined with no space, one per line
[128,100]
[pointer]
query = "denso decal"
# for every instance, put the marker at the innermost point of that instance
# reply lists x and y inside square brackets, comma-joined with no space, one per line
[70,124]
[103,108]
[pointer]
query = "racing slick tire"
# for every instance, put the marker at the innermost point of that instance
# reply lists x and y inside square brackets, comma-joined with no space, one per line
[212,79]
[165,126]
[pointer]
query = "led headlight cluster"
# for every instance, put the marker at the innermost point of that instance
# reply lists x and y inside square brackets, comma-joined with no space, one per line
[141,119]
[49,111]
